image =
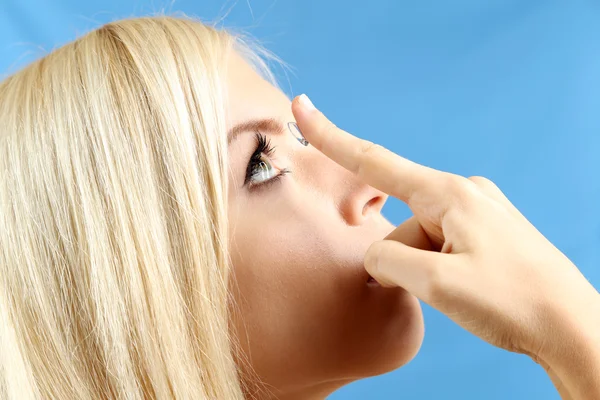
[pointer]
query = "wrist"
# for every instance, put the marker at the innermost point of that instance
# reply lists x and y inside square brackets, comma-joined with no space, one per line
[572,353]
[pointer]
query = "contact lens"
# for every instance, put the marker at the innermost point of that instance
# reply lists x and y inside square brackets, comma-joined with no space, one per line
[293,127]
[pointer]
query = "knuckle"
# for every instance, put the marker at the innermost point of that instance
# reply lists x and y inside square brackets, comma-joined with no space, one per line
[490,188]
[454,217]
[460,188]
[368,148]
[482,181]
[455,182]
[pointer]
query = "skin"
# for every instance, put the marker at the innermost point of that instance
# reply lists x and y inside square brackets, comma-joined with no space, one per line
[492,271]
[307,321]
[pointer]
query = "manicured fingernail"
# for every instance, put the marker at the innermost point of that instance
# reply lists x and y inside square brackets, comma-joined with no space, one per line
[306,103]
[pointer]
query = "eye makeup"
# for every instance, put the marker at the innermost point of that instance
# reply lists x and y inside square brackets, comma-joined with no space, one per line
[259,168]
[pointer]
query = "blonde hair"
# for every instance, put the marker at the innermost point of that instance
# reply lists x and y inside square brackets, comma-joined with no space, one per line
[114,263]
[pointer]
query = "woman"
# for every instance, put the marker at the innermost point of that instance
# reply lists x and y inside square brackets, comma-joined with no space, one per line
[165,236]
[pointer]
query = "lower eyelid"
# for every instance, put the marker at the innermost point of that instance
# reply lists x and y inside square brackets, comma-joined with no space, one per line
[266,184]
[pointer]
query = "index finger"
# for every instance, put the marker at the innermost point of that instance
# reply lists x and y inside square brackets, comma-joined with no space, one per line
[373,163]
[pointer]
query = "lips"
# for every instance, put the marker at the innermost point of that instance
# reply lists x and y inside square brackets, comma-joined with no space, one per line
[368,279]
[372,281]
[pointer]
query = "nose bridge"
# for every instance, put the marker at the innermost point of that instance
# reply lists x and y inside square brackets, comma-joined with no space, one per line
[354,198]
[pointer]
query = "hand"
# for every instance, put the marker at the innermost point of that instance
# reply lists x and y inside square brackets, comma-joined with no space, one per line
[467,251]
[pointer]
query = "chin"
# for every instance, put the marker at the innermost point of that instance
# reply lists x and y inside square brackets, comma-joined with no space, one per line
[398,338]
[402,338]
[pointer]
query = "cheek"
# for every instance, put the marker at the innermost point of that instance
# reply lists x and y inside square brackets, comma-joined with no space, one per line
[301,296]
[277,257]
[278,264]
[286,301]
[290,245]
[281,252]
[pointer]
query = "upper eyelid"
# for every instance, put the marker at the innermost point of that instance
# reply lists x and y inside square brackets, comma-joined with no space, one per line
[268,148]
[270,125]
[263,137]
[263,145]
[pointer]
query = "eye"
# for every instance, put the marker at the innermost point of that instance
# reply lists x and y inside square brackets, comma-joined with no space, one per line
[260,172]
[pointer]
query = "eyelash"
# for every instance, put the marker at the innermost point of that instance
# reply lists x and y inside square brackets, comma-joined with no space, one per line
[263,146]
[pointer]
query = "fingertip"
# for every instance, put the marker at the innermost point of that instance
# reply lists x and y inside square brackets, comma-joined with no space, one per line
[372,263]
[295,105]
[303,106]
[371,258]
[295,101]
[387,286]
[305,102]
[303,117]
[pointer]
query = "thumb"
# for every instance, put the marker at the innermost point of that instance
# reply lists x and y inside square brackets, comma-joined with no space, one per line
[420,272]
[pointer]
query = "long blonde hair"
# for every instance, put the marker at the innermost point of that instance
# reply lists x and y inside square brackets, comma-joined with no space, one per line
[114,263]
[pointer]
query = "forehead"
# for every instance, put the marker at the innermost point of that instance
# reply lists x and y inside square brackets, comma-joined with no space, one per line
[250,96]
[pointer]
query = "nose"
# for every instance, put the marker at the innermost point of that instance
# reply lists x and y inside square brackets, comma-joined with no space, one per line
[361,202]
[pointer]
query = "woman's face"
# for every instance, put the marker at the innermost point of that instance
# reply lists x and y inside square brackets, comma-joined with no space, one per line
[306,318]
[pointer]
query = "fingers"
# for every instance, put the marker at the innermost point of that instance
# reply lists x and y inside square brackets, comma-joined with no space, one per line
[412,234]
[374,164]
[425,274]
[489,188]
[492,190]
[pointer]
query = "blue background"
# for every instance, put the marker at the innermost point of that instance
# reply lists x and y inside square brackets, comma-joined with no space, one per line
[504,89]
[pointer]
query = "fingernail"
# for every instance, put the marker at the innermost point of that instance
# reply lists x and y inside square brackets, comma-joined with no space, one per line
[306,103]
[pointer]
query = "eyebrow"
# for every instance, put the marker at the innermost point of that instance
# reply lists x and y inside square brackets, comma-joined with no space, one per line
[267,124]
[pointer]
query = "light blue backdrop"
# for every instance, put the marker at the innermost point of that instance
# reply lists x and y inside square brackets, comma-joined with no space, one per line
[505,89]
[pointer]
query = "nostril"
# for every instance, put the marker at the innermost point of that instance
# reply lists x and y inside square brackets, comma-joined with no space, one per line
[370,204]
